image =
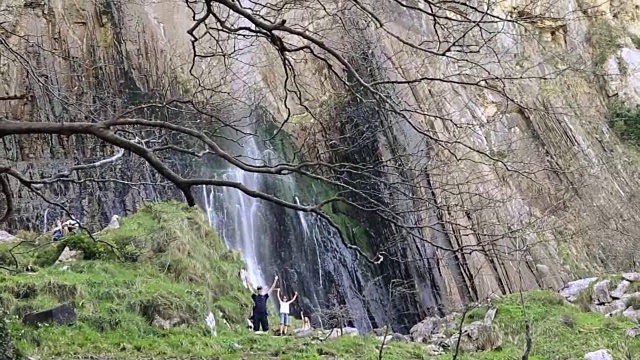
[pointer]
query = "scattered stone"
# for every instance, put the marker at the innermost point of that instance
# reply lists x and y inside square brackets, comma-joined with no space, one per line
[621,289]
[384,340]
[633,332]
[302,333]
[489,316]
[632,314]
[345,331]
[423,330]
[5,236]
[114,223]
[69,255]
[59,315]
[601,292]
[477,336]
[614,306]
[598,355]
[631,276]
[433,350]
[571,290]
[382,331]
[165,324]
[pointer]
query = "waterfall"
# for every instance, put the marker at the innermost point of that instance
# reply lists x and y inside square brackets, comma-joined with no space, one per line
[315,235]
[44,225]
[237,216]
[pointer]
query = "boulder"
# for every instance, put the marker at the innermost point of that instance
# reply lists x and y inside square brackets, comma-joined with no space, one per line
[621,289]
[382,331]
[631,276]
[393,337]
[601,292]
[114,223]
[572,289]
[60,315]
[433,350]
[5,236]
[302,333]
[477,336]
[345,331]
[423,330]
[633,332]
[632,314]
[598,355]
[612,307]
[69,255]
[489,316]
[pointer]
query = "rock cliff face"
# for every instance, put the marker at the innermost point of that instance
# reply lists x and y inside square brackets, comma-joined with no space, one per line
[502,148]
[69,61]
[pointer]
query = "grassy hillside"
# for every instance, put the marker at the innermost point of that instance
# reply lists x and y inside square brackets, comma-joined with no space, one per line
[166,261]
[560,330]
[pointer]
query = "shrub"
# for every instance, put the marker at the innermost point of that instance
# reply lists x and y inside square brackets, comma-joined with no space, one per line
[625,122]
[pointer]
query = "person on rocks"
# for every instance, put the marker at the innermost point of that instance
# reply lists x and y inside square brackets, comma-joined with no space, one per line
[57,231]
[284,311]
[72,225]
[260,315]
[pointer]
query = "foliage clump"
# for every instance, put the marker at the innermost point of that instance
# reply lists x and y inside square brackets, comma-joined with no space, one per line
[625,122]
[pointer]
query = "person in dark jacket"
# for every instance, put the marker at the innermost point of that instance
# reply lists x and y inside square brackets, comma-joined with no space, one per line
[260,315]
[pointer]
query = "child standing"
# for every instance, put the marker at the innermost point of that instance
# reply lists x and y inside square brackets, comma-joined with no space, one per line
[284,311]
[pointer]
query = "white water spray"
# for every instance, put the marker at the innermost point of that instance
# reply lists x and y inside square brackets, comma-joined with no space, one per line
[314,235]
[236,215]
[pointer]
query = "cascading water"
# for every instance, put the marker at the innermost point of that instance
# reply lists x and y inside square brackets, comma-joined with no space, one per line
[307,253]
[315,235]
[237,216]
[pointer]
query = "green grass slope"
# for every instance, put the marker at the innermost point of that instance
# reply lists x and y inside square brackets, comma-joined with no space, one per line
[560,330]
[166,261]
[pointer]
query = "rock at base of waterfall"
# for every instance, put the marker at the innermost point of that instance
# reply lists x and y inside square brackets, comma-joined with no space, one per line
[633,332]
[632,314]
[345,331]
[631,276]
[392,337]
[382,331]
[477,336]
[571,290]
[489,316]
[598,355]
[59,315]
[614,307]
[114,223]
[5,236]
[601,292]
[301,333]
[69,255]
[434,350]
[621,289]
[423,330]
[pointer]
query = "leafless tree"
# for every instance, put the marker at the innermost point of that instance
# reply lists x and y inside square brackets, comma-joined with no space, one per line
[425,117]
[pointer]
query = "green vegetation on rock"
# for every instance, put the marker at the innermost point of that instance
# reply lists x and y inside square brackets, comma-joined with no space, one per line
[559,330]
[625,122]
